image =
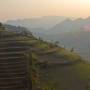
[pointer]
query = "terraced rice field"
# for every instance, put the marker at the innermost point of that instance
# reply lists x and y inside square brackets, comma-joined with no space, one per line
[14,65]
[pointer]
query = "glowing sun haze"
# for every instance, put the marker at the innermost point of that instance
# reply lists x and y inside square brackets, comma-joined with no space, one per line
[13,9]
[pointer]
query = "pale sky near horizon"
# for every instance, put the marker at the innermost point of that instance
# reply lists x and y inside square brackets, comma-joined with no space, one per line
[14,9]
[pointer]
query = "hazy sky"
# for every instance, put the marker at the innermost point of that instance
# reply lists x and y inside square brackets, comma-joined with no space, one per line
[12,9]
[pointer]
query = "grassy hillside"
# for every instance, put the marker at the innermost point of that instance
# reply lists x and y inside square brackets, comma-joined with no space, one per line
[55,68]
[58,68]
[61,69]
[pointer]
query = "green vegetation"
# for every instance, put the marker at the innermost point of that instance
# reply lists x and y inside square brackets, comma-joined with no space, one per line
[83,70]
[43,46]
[49,86]
[71,56]
[35,71]
[2,27]
[65,77]
[66,54]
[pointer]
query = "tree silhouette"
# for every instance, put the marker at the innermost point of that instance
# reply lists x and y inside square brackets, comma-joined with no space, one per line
[72,50]
[0,24]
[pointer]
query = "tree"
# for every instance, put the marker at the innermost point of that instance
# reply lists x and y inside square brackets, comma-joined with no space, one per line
[72,50]
[57,43]
[1,26]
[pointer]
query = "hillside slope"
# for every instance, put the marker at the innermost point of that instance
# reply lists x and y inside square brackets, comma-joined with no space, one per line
[80,41]
[60,68]
[57,67]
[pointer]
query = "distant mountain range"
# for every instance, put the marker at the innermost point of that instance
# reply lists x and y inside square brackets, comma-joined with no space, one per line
[45,22]
[69,25]
[69,32]
[52,24]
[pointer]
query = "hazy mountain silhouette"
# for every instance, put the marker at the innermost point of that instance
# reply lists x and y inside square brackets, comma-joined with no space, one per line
[44,22]
[69,25]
